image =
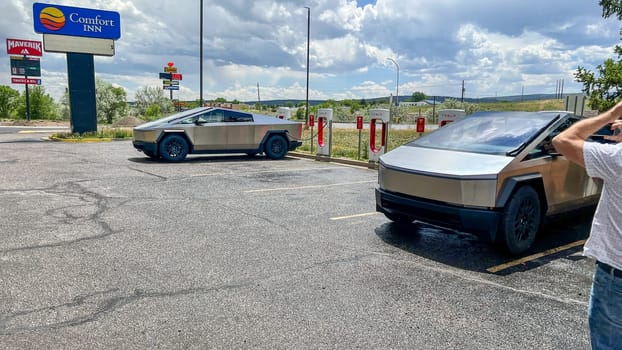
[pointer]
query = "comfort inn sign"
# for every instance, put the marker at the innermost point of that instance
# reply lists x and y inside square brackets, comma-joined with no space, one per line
[76,21]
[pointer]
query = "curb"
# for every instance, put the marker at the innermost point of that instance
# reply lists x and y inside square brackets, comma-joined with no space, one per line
[88,140]
[358,163]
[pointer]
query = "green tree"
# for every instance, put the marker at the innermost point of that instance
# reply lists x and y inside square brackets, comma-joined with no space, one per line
[220,100]
[42,105]
[9,99]
[111,101]
[604,87]
[451,103]
[418,96]
[64,108]
[148,96]
[153,111]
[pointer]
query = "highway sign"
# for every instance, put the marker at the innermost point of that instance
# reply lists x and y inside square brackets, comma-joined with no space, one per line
[175,76]
[166,76]
[175,87]
[23,47]
[170,69]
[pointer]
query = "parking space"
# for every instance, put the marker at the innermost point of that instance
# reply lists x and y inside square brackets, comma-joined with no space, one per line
[101,247]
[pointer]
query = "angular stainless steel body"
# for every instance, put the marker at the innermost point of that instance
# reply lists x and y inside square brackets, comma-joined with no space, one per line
[438,182]
[217,130]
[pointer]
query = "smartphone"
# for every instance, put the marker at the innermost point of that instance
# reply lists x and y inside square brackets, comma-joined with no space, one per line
[606,131]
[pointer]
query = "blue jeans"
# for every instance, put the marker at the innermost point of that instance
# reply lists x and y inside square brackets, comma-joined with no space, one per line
[605,311]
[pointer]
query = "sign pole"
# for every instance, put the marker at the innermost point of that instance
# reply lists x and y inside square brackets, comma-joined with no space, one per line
[27,104]
[27,97]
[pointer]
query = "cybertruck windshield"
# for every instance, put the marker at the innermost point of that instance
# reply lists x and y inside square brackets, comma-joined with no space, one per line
[501,133]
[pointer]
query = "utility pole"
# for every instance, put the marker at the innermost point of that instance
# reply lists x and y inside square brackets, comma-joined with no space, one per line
[308,41]
[258,98]
[462,98]
[201,57]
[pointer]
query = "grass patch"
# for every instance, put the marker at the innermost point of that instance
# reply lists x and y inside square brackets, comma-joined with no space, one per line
[102,135]
[345,142]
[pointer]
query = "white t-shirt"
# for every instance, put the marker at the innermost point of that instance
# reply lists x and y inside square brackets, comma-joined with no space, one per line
[605,242]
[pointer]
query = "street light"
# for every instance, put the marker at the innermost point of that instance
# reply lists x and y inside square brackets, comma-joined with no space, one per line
[397,84]
[200,55]
[308,40]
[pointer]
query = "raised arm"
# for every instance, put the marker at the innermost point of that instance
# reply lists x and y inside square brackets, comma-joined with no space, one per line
[570,141]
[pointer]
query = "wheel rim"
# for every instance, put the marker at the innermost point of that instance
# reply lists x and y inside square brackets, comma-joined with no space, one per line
[525,223]
[174,149]
[276,147]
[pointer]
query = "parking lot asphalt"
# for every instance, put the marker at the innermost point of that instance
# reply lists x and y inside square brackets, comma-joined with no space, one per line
[102,248]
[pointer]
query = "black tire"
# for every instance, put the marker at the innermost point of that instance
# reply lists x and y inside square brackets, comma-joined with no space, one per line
[521,221]
[276,147]
[173,148]
[399,218]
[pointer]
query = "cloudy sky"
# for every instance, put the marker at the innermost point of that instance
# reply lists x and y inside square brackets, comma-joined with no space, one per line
[497,47]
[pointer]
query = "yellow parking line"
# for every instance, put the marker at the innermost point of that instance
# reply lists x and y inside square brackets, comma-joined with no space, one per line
[354,216]
[552,251]
[306,187]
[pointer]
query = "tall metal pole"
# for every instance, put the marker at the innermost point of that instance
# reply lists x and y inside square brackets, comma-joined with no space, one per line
[27,103]
[201,56]
[397,84]
[397,103]
[308,41]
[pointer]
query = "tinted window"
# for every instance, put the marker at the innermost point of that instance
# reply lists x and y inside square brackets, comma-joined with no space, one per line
[237,117]
[545,147]
[213,116]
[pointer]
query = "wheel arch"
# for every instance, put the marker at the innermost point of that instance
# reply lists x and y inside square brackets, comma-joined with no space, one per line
[271,133]
[513,183]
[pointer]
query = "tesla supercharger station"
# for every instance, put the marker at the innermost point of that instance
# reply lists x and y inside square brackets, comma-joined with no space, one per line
[324,126]
[377,147]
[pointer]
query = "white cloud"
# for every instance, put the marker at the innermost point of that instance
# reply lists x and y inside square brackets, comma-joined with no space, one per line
[496,47]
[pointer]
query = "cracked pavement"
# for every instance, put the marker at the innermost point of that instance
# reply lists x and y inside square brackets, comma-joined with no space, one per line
[102,248]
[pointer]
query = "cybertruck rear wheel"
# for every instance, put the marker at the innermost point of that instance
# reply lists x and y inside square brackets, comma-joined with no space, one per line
[276,147]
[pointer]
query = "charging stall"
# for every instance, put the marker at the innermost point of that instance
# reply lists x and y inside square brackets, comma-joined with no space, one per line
[324,127]
[284,113]
[378,147]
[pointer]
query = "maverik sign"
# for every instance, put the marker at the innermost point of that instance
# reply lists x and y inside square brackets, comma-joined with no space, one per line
[76,21]
[23,47]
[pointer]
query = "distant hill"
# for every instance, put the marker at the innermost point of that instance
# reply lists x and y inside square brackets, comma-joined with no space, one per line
[439,99]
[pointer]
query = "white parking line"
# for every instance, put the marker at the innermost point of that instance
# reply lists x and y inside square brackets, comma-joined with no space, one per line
[41,131]
[354,216]
[310,186]
[250,173]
